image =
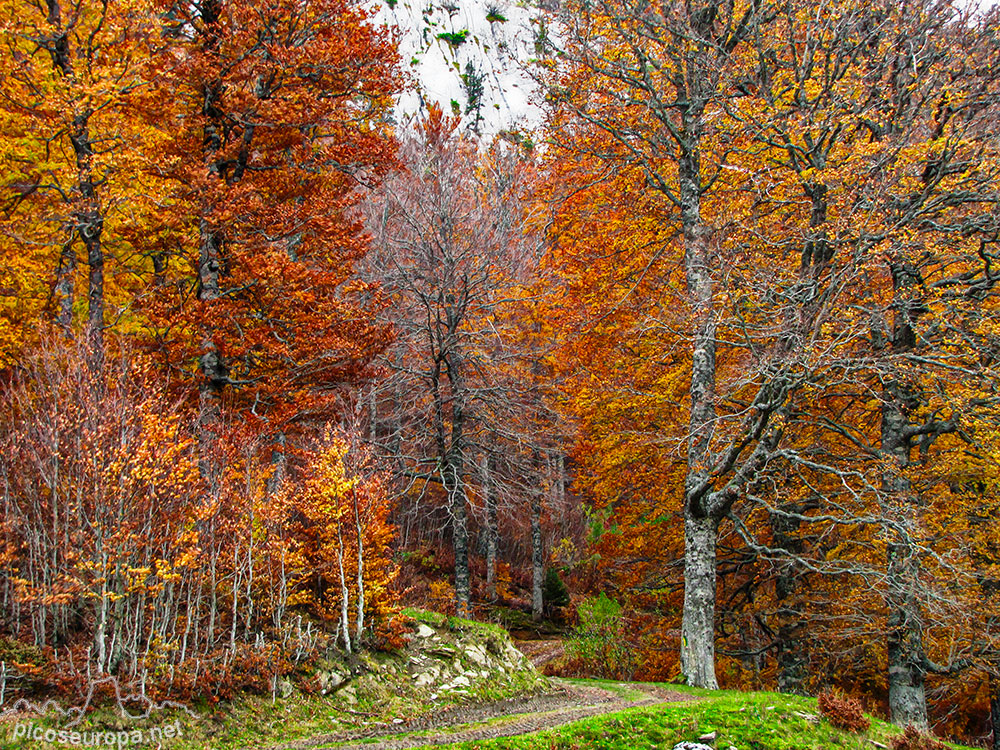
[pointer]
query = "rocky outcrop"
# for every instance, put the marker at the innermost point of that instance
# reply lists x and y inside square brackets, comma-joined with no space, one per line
[455,657]
[445,661]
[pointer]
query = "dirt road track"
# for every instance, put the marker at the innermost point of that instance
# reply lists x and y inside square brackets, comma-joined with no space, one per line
[508,718]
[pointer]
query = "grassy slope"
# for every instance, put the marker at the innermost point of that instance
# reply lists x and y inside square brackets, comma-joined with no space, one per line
[253,721]
[746,721]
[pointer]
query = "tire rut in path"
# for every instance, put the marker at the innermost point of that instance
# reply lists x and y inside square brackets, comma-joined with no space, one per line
[527,715]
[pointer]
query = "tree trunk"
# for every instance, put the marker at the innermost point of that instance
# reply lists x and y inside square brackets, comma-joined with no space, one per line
[537,553]
[460,533]
[907,701]
[995,710]
[65,286]
[344,597]
[698,625]
[88,221]
[790,657]
[490,499]
[279,462]
[89,226]
[65,282]
[215,374]
[905,647]
[359,626]
[452,455]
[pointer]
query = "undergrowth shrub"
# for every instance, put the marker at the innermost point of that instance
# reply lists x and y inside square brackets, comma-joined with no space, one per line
[843,712]
[913,739]
[554,591]
[598,644]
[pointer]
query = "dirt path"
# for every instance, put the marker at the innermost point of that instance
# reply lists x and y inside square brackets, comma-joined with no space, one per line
[541,652]
[505,718]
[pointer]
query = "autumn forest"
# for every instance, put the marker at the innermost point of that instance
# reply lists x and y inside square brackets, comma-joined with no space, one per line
[717,345]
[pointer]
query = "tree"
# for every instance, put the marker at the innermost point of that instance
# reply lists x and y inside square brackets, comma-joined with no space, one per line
[345,540]
[774,129]
[71,69]
[281,117]
[650,82]
[453,254]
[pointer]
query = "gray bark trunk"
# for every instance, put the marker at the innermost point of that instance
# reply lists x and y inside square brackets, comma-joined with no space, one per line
[215,374]
[560,488]
[905,647]
[537,553]
[359,626]
[88,221]
[907,701]
[89,227]
[457,509]
[698,625]
[65,287]
[344,598]
[279,462]
[490,499]
[451,454]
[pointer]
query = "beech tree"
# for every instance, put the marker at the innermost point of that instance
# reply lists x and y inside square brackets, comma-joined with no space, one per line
[754,118]
[672,66]
[452,252]
[280,117]
[70,70]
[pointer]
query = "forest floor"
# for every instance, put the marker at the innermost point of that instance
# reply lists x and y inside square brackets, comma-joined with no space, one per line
[605,715]
[393,705]
[499,719]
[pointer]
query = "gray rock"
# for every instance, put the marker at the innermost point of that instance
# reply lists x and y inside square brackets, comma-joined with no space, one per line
[284,688]
[329,680]
[424,631]
[692,746]
[477,654]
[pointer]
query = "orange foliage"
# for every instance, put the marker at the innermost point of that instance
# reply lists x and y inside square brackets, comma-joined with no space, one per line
[113,549]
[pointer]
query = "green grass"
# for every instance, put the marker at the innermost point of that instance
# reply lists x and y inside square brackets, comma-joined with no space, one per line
[251,721]
[438,620]
[435,619]
[746,721]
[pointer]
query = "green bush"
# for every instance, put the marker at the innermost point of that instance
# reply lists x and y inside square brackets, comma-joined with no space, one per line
[554,591]
[598,644]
